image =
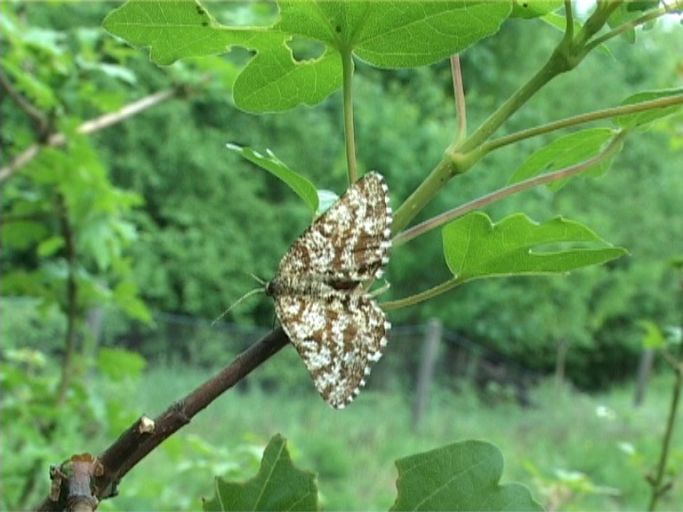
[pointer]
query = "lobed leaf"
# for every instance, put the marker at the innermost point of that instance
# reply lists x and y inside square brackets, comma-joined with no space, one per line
[460,476]
[386,34]
[174,29]
[279,485]
[395,34]
[475,247]
[534,8]
[297,182]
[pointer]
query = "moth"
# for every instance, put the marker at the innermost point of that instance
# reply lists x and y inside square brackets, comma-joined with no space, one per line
[320,298]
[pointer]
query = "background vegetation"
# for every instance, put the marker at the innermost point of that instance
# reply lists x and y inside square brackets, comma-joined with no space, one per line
[156,227]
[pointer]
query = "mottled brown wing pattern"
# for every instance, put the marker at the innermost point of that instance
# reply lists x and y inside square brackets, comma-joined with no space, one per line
[338,338]
[337,328]
[351,240]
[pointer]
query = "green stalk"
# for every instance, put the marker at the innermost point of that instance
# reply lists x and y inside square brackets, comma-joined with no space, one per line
[497,195]
[422,296]
[658,489]
[582,119]
[349,135]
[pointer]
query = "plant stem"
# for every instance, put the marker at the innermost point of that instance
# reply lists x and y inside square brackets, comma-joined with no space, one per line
[497,195]
[658,487]
[662,11]
[137,442]
[422,296]
[582,119]
[349,135]
[459,95]
[71,301]
[556,64]
[88,127]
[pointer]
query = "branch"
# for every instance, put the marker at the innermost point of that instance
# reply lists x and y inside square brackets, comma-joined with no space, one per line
[504,192]
[349,132]
[88,127]
[662,11]
[71,301]
[144,435]
[459,94]
[39,119]
[596,115]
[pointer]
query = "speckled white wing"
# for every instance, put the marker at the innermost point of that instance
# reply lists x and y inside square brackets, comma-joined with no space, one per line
[339,338]
[350,241]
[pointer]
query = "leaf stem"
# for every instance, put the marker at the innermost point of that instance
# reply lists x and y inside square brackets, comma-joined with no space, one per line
[88,127]
[459,95]
[581,119]
[422,296]
[658,486]
[497,195]
[633,24]
[349,135]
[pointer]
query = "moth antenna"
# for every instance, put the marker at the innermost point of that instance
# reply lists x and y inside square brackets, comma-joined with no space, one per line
[238,302]
[258,279]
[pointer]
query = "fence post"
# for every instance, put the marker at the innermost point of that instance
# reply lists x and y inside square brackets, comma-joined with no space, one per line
[430,350]
[644,368]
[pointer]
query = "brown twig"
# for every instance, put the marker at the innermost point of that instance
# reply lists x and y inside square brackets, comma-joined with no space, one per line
[99,123]
[39,119]
[144,435]
[71,299]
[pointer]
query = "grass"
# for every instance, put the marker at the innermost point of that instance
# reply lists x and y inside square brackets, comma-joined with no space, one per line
[575,451]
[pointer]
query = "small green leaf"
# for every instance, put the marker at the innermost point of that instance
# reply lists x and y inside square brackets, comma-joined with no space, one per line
[475,247]
[648,116]
[533,8]
[298,183]
[119,364]
[326,198]
[279,485]
[48,247]
[653,338]
[22,234]
[460,476]
[565,151]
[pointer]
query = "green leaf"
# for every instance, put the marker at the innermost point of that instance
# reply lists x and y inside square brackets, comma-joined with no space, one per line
[460,476]
[298,183]
[386,34]
[565,151]
[648,116]
[22,234]
[395,34]
[475,247]
[48,247]
[119,364]
[273,81]
[653,337]
[533,8]
[174,29]
[279,485]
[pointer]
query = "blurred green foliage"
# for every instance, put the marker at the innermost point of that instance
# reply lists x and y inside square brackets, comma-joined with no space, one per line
[163,216]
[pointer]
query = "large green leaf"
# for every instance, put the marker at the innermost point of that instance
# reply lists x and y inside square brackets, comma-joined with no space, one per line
[648,116]
[460,476]
[173,29]
[298,183]
[533,8]
[476,247]
[565,151]
[277,486]
[395,34]
[386,34]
